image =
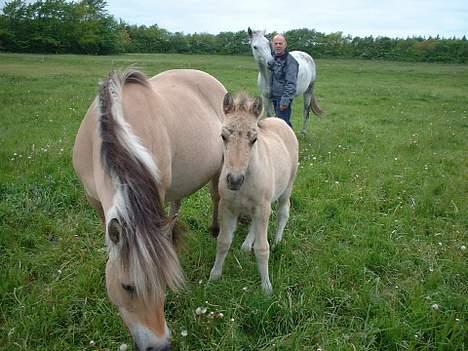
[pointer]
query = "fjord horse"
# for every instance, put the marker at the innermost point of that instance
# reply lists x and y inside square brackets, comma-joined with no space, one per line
[142,143]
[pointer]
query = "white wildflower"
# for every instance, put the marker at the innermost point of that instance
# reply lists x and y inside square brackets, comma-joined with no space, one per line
[435,307]
[123,347]
[200,310]
[463,247]
[92,343]
[184,333]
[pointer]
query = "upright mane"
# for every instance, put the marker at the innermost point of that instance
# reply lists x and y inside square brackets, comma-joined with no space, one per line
[146,253]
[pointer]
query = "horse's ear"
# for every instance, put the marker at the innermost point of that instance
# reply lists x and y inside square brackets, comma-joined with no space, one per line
[257,106]
[114,229]
[250,32]
[228,103]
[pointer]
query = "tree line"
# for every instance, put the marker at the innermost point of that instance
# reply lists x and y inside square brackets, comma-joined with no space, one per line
[86,27]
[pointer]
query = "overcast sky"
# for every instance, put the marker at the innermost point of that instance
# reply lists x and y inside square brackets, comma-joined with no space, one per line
[393,18]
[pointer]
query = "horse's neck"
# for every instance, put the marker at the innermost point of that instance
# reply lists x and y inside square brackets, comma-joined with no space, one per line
[264,71]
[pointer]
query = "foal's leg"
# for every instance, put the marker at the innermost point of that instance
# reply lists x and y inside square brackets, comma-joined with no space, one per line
[283,214]
[307,101]
[228,226]
[261,246]
[249,240]
[214,228]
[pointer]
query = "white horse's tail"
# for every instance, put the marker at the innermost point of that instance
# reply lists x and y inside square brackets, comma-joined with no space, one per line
[314,106]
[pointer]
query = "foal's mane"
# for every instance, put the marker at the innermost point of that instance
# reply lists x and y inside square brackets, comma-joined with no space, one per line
[146,252]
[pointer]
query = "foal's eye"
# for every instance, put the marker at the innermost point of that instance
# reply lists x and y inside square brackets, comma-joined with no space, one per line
[128,288]
[253,141]
[224,137]
[255,47]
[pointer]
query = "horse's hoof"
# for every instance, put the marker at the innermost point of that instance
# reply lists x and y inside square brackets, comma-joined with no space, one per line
[246,247]
[267,288]
[214,231]
[214,275]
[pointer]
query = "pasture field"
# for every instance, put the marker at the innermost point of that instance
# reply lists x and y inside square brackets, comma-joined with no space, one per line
[373,258]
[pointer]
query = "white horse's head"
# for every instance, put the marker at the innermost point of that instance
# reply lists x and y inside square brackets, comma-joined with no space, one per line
[260,45]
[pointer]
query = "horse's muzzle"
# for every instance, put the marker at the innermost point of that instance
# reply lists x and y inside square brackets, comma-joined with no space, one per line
[234,182]
[166,347]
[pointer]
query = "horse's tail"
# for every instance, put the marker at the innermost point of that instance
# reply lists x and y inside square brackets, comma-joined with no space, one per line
[314,106]
[147,254]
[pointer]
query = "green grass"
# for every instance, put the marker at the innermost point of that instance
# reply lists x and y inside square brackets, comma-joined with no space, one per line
[373,256]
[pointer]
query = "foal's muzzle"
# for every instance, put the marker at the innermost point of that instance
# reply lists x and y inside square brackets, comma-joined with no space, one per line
[234,182]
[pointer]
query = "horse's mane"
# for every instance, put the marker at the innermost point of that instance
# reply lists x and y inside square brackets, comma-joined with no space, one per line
[146,253]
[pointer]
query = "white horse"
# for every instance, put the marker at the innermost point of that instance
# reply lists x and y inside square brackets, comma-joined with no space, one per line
[260,165]
[306,76]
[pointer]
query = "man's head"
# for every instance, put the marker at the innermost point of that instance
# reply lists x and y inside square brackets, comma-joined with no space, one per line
[279,44]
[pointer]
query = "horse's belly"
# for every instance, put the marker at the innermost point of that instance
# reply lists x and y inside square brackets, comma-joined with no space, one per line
[192,173]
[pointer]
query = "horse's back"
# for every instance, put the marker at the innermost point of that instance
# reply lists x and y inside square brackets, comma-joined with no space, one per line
[307,73]
[283,149]
[187,85]
[178,119]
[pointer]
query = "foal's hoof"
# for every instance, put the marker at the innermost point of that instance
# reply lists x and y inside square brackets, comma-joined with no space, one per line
[215,275]
[267,288]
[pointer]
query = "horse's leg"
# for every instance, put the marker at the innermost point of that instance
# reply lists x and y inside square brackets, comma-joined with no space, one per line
[228,226]
[174,208]
[283,214]
[97,206]
[307,101]
[261,246]
[249,240]
[268,106]
[214,228]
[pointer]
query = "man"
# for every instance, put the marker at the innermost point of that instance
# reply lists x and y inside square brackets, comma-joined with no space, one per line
[284,70]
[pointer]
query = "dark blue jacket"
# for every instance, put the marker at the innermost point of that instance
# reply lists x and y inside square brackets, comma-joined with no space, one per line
[284,70]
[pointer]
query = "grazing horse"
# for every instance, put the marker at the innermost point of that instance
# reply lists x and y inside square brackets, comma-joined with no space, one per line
[144,142]
[260,165]
[306,75]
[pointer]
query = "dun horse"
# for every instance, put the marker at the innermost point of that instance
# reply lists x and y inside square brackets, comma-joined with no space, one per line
[260,165]
[144,142]
[306,76]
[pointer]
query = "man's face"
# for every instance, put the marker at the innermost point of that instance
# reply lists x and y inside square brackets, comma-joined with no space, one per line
[279,44]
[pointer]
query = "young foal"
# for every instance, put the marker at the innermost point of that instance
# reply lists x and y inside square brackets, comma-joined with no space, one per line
[260,164]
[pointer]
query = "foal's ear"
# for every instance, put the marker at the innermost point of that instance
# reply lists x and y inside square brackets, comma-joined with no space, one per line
[228,103]
[114,229]
[257,106]
[250,32]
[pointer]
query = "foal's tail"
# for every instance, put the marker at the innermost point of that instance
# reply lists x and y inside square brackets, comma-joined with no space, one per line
[314,106]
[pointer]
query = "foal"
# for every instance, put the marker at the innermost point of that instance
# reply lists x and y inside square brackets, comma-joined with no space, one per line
[260,165]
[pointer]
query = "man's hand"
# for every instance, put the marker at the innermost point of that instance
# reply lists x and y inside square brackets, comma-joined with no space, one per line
[283,107]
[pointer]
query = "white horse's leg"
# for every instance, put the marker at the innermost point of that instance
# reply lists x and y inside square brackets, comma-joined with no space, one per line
[268,106]
[249,240]
[307,101]
[228,226]
[282,215]
[261,246]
